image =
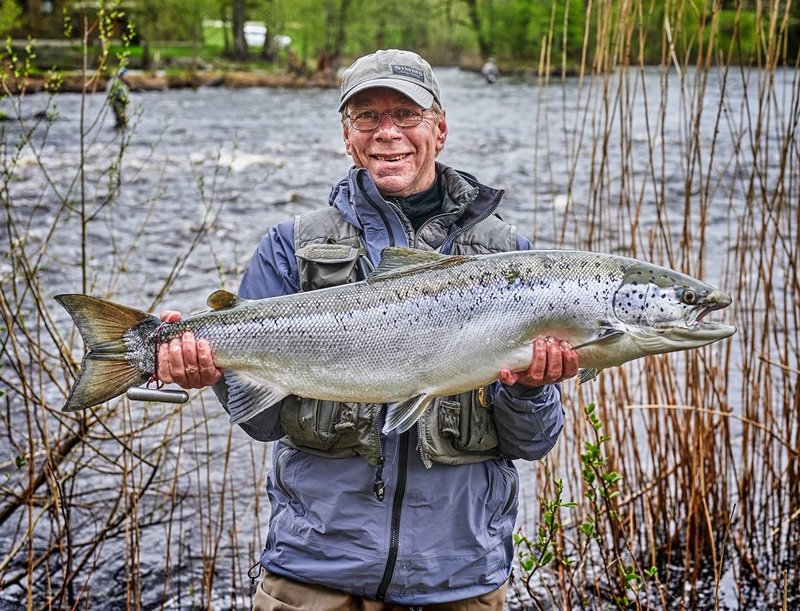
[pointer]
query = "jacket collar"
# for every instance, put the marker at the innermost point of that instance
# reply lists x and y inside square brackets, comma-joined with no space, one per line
[466,203]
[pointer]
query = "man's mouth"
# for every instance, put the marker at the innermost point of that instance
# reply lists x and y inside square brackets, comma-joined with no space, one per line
[391,158]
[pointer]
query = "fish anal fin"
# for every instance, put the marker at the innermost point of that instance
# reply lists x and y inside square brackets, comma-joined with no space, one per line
[248,397]
[223,300]
[587,375]
[401,416]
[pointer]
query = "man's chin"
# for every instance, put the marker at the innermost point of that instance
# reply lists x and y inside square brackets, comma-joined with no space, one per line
[393,186]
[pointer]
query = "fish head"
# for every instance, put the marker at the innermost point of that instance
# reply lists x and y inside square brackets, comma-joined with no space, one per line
[663,310]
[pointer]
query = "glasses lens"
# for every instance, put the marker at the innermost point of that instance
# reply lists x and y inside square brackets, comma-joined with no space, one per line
[406,117]
[367,120]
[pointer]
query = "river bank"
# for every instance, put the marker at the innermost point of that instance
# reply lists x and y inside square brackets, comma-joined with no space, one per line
[75,82]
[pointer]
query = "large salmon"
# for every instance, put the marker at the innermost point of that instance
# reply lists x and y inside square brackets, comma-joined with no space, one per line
[422,325]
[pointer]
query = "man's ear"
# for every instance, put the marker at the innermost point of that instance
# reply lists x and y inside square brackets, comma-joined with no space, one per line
[442,137]
[346,140]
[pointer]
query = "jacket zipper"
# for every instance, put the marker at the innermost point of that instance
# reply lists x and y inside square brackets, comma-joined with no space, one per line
[397,506]
[451,239]
[385,220]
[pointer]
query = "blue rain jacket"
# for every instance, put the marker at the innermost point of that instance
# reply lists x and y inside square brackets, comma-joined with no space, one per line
[440,534]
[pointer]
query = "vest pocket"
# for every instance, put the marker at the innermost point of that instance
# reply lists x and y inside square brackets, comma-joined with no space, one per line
[331,428]
[325,265]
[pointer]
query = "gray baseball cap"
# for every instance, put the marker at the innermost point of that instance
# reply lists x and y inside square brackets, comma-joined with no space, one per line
[403,71]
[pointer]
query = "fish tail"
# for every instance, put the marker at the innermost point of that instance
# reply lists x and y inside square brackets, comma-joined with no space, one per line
[106,371]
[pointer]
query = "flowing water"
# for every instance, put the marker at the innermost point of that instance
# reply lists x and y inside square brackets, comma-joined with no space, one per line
[234,162]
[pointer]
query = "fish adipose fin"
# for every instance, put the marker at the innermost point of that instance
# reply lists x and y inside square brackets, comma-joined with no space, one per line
[105,370]
[402,416]
[248,397]
[223,300]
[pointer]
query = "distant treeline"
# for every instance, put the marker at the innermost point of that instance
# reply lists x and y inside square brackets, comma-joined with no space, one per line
[518,34]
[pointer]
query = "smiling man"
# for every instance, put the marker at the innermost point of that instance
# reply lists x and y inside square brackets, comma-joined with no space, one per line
[363,520]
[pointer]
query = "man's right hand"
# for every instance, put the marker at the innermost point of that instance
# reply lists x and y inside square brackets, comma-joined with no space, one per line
[186,361]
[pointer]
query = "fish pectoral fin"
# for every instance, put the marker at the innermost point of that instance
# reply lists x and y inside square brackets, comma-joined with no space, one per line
[248,396]
[603,334]
[401,416]
[587,375]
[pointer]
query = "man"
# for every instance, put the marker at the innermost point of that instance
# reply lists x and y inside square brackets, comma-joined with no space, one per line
[119,97]
[362,520]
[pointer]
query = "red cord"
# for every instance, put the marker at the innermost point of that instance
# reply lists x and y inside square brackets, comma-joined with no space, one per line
[154,378]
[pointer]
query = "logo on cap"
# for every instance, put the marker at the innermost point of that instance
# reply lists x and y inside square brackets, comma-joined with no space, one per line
[408,71]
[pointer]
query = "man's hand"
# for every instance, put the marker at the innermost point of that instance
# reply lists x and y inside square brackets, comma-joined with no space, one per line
[186,361]
[552,362]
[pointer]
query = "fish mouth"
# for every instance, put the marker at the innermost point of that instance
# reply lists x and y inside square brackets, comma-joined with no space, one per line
[716,300]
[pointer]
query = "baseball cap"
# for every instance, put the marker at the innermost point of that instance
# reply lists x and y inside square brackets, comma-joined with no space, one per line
[403,71]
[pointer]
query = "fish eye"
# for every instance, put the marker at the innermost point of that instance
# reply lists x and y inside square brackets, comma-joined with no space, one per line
[689,297]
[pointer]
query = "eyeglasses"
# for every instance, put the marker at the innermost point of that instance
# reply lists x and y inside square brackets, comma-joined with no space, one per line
[367,120]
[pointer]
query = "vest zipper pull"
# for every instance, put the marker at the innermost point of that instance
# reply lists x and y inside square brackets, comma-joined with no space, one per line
[379,486]
[254,572]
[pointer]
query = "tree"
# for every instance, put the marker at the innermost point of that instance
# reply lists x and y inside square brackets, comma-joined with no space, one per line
[240,51]
[9,16]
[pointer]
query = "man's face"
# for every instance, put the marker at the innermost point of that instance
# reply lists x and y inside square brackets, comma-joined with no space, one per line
[400,160]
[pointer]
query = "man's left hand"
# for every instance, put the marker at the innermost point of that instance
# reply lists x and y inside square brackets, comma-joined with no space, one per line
[552,362]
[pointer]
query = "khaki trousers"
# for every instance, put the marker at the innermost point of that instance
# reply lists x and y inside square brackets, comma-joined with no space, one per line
[276,593]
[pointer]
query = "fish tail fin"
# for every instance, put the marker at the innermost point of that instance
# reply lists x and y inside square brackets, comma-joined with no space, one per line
[105,371]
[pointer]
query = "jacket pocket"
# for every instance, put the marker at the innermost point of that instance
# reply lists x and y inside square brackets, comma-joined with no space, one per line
[325,265]
[512,479]
[280,473]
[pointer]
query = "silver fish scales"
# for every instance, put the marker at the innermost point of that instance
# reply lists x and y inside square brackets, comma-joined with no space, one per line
[423,325]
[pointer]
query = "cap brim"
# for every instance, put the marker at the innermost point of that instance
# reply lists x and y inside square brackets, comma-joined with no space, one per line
[419,95]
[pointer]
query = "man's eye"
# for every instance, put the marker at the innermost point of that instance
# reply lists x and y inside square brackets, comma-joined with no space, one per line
[407,112]
[366,114]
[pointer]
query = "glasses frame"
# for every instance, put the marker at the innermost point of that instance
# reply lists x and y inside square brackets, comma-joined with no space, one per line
[391,116]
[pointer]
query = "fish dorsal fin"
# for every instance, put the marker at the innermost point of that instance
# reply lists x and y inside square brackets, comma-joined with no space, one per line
[223,300]
[398,260]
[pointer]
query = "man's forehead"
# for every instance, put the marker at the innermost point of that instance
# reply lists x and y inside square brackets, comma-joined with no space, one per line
[377,95]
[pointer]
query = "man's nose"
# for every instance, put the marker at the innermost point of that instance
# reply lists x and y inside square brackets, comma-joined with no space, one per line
[386,124]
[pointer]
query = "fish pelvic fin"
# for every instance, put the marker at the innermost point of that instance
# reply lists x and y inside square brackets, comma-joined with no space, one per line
[105,370]
[401,416]
[248,397]
[587,375]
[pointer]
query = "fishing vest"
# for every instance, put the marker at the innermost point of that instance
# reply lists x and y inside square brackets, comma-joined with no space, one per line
[454,430]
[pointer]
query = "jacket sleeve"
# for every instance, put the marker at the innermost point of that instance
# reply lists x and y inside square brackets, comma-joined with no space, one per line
[272,271]
[529,420]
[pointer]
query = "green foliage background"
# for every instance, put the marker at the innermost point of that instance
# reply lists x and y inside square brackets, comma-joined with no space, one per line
[517,33]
